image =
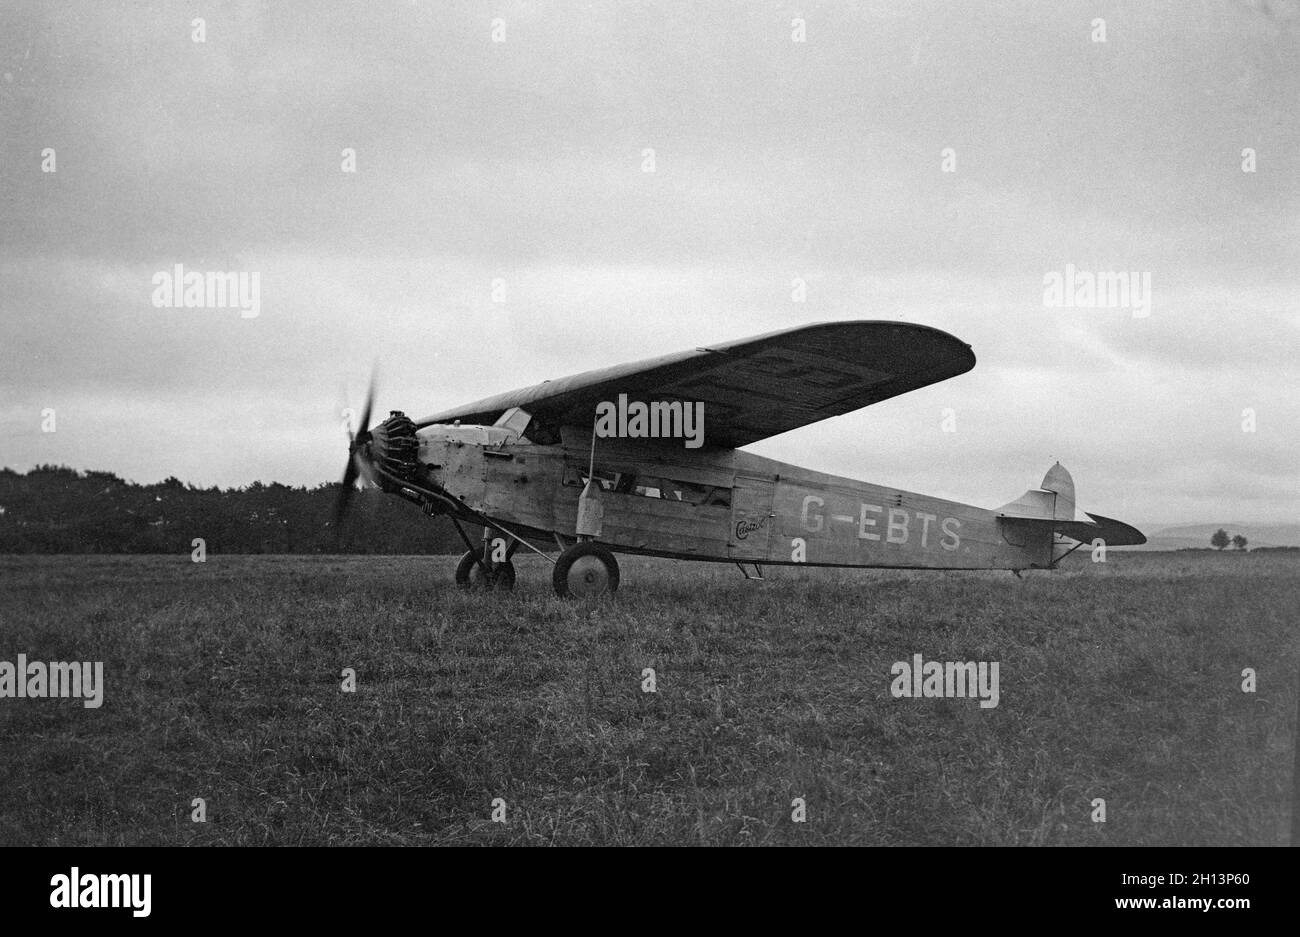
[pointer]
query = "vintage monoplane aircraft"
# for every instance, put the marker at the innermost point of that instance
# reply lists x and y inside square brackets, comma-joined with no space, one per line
[645,458]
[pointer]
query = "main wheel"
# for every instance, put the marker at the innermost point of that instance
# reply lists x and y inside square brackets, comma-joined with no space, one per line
[584,571]
[469,574]
[467,562]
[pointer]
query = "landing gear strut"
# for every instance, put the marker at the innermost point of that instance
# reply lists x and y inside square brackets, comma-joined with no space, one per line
[584,571]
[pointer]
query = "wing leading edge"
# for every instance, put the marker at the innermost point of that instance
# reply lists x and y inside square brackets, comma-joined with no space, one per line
[756,387]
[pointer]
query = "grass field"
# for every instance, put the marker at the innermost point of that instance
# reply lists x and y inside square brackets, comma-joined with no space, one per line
[1119,681]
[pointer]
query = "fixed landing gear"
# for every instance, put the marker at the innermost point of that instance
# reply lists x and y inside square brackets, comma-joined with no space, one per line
[584,571]
[470,575]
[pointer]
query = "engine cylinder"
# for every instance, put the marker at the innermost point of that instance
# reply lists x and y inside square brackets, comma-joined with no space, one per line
[394,446]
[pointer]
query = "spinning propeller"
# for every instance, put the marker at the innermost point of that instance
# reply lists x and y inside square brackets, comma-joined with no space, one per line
[358,459]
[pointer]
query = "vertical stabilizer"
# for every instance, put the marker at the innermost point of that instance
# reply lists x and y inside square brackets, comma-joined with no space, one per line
[1058,481]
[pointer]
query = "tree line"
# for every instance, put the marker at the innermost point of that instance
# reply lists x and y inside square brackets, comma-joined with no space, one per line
[1219,540]
[55,509]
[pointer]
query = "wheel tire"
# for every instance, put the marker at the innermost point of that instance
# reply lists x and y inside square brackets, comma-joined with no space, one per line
[469,575]
[584,571]
[503,576]
[467,563]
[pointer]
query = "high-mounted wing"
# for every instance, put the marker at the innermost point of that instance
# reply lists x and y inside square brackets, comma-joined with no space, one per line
[755,387]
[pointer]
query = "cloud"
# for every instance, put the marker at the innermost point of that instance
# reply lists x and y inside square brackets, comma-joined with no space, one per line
[521,162]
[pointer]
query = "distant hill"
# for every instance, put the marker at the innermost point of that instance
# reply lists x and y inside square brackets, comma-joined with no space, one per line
[1184,536]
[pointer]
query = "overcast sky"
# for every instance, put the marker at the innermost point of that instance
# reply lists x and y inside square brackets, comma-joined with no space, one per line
[774,159]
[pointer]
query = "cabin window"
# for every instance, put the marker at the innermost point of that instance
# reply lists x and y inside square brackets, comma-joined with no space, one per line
[650,486]
[575,477]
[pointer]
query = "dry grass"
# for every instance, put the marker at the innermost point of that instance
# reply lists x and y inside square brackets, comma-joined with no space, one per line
[1119,681]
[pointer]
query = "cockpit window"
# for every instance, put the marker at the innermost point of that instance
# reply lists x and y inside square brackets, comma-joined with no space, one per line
[541,433]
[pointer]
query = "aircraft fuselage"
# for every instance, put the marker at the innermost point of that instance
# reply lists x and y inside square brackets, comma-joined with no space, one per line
[662,499]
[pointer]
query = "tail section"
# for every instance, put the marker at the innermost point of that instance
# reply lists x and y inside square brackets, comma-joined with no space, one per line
[1052,507]
[1053,501]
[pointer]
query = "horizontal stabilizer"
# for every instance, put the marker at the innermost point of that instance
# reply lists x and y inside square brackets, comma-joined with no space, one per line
[1112,532]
